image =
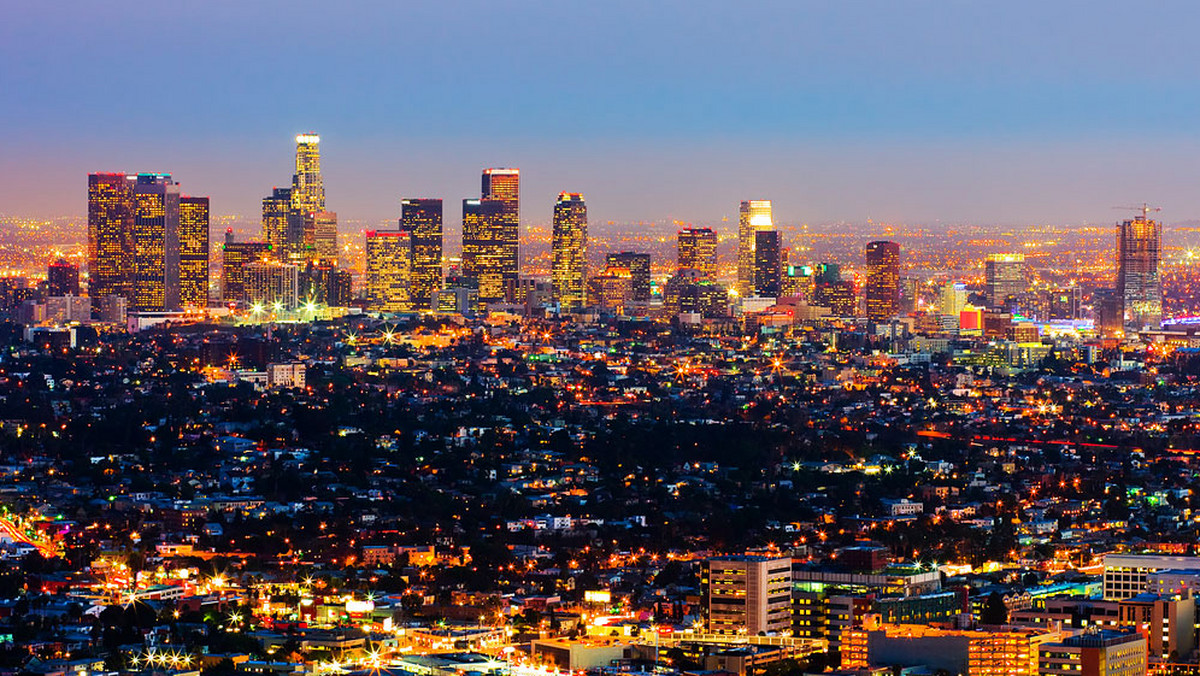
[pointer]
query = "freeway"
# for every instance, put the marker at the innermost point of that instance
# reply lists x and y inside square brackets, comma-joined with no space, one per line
[23,531]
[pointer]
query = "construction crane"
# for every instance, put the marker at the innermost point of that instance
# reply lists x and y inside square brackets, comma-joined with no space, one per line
[1144,208]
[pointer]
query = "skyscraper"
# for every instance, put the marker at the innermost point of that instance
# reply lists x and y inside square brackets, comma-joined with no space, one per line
[827,273]
[111,209]
[696,249]
[689,291]
[882,292]
[504,186]
[294,220]
[954,298]
[321,282]
[308,189]
[910,295]
[638,265]
[753,215]
[838,296]
[569,249]
[322,243]
[275,210]
[156,244]
[768,264]
[193,251]
[272,286]
[1139,243]
[487,253]
[611,290]
[389,259]
[235,256]
[62,278]
[798,280]
[422,220]
[1004,275]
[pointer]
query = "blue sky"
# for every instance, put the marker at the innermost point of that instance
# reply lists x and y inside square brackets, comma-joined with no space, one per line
[911,111]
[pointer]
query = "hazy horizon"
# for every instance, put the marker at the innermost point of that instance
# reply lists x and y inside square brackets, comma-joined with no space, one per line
[671,111]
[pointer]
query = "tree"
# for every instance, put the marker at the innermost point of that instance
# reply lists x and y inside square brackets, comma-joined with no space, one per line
[678,659]
[221,668]
[819,662]
[412,603]
[670,574]
[532,617]
[788,667]
[994,610]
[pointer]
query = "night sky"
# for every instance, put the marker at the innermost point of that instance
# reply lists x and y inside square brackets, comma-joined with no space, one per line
[912,111]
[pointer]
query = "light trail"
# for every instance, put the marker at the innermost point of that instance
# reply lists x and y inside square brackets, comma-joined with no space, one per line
[11,528]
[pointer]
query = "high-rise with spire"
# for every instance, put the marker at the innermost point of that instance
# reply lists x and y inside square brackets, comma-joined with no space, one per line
[569,250]
[294,219]
[308,199]
[308,190]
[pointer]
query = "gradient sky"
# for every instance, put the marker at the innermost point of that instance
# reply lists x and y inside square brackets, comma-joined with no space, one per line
[913,111]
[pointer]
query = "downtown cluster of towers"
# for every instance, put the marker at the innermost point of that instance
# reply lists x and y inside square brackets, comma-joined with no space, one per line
[148,245]
[148,251]
[404,269]
[404,272]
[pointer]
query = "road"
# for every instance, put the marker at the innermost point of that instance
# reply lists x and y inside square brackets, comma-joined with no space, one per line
[13,529]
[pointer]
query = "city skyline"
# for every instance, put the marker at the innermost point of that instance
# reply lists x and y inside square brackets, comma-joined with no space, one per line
[883,113]
[490,269]
[773,338]
[722,216]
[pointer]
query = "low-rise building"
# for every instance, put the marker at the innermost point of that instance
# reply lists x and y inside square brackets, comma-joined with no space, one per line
[1096,652]
[988,651]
